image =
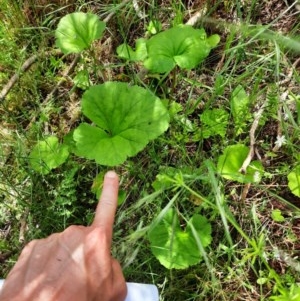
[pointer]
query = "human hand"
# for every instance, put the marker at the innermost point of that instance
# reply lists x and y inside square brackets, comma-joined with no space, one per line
[75,264]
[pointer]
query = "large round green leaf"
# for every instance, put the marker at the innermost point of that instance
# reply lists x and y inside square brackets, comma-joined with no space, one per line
[126,118]
[232,160]
[48,154]
[76,31]
[294,181]
[175,248]
[182,45]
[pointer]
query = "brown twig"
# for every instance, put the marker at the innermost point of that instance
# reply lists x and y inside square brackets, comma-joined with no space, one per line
[252,137]
[27,64]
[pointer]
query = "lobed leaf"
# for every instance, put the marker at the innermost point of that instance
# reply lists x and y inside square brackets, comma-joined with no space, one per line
[181,45]
[126,118]
[175,248]
[214,122]
[76,31]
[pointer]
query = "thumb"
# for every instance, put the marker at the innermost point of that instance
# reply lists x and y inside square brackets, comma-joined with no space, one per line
[119,284]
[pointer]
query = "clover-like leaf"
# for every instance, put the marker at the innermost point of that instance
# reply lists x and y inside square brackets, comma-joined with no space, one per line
[76,31]
[181,45]
[177,248]
[126,52]
[294,181]
[48,154]
[232,160]
[126,118]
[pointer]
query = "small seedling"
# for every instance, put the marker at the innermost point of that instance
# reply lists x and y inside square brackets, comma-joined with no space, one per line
[154,27]
[277,216]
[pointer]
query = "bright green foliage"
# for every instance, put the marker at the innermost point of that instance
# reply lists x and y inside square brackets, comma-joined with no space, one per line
[181,45]
[289,294]
[76,32]
[81,79]
[277,216]
[126,52]
[168,175]
[154,27]
[126,119]
[175,248]
[240,108]
[294,181]
[214,122]
[48,154]
[232,160]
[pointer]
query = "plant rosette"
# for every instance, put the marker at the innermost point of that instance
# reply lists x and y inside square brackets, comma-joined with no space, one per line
[177,248]
[125,119]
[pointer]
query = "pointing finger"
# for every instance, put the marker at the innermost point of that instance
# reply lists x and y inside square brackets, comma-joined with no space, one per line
[106,209]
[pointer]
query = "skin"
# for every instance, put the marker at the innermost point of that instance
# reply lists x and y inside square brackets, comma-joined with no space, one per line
[75,264]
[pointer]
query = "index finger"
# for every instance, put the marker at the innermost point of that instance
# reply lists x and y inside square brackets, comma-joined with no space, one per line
[107,206]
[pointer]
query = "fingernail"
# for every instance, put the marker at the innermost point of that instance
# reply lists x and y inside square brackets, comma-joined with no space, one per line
[111,174]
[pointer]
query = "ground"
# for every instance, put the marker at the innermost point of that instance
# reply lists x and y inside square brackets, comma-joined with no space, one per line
[255,246]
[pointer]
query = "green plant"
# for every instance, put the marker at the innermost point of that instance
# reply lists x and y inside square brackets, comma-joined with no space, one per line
[231,161]
[139,54]
[294,181]
[126,119]
[277,216]
[76,31]
[177,248]
[288,294]
[182,45]
[48,154]
[240,110]
[214,122]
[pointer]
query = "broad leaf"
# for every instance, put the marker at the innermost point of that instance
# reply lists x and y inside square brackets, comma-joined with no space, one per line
[214,122]
[182,45]
[177,248]
[76,31]
[240,108]
[294,181]
[232,160]
[48,154]
[126,52]
[126,118]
